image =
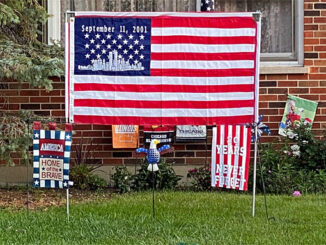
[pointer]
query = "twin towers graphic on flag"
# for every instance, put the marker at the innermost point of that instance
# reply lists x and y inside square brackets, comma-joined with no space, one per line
[114,63]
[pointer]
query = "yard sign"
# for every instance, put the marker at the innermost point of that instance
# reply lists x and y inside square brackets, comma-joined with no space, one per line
[155,68]
[230,156]
[51,151]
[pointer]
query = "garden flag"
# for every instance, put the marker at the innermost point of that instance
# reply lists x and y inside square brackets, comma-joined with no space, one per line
[230,156]
[162,68]
[51,155]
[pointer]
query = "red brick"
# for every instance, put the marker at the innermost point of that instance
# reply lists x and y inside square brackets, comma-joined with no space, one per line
[308,34]
[308,84]
[263,105]
[50,93]
[314,69]
[319,19]
[268,111]
[264,97]
[298,90]
[197,160]
[309,96]
[40,99]
[29,93]
[263,91]
[282,97]
[57,113]
[276,77]
[308,62]
[322,83]
[320,62]
[112,161]
[57,99]
[311,27]
[320,48]
[309,41]
[318,90]
[277,90]
[18,99]
[317,76]
[297,77]
[307,20]
[287,83]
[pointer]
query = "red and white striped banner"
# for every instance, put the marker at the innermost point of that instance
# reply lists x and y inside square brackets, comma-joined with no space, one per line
[230,156]
[162,68]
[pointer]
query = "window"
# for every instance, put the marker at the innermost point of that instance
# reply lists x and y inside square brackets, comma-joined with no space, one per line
[282,28]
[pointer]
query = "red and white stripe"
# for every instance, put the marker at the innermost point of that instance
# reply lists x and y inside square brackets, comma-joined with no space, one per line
[230,170]
[202,72]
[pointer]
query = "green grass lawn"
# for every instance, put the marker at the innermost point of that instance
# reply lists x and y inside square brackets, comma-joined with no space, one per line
[181,218]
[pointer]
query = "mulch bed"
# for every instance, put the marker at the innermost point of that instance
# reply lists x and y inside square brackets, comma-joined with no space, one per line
[16,198]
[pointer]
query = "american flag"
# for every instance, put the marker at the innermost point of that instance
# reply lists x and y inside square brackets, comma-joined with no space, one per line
[230,156]
[207,5]
[161,68]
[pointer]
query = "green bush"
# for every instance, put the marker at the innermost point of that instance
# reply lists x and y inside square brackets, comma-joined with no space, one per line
[296,162]
[165,178]
[85,179]
[201,178]
[122,179]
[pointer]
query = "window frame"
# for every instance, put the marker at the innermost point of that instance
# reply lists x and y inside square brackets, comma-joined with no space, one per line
[296,58]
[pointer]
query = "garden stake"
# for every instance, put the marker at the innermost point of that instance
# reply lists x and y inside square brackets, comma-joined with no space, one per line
[67,199]
[264,191]
[27,168]
[254,177]
[153,192]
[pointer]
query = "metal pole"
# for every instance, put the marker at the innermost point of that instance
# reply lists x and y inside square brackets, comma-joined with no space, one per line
[67,199]
[254,176]
[27,167]
[153,191]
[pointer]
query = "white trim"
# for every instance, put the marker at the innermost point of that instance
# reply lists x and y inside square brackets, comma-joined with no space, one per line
[257,68]
[213,161]
[181,14]
[54,27]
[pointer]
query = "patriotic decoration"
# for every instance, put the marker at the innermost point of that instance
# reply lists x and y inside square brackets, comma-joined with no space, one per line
[125,136]
[261,128]
[162,68]
[153,155]
[163,133]
[190,133]
[207,5]
[51,155]
[230,156]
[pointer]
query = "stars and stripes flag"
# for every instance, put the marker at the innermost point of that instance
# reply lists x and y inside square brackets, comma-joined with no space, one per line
[207,5]
[230,156]
[162,68]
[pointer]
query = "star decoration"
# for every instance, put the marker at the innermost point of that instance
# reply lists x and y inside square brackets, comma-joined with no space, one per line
[36,135]
[68,137]
[92,51]
[141,47]
[119,36]
[97,46]
[141,37]
[136,51]
[108,46]
[108,36]
[97,36]
[87,56]
[103,41]
[103,51]
[86,45]
[92,41]
[36,182]
[114,41]
[130,46]
[86,35]
[125,41]
[136,42]
[131,36]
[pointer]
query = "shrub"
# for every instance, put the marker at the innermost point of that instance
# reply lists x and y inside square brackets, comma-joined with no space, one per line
[82,173]
[297,162]
[165,178]
[201,178]
[122,179]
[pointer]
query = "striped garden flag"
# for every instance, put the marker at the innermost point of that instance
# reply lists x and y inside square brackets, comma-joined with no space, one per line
[162,68]
[51,156]
[230,156]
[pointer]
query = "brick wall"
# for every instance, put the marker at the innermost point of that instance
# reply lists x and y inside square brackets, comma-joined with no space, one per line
[273,94]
